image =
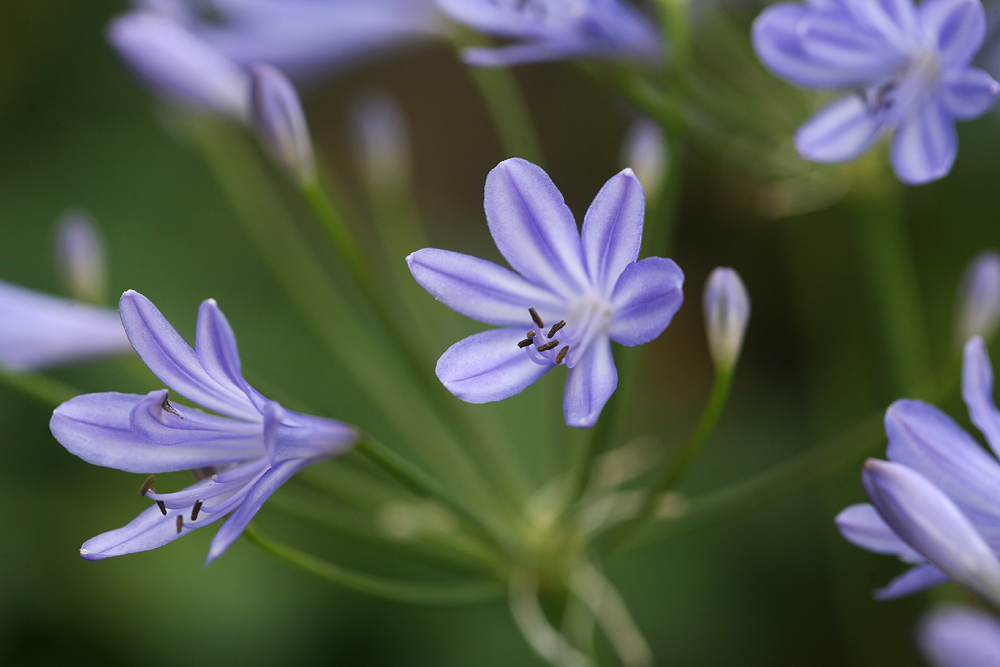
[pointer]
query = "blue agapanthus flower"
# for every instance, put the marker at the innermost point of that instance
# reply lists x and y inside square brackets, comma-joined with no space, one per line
[240,455]
[568,297]
[958,636]
[908,68]
[936,502]
[556,30]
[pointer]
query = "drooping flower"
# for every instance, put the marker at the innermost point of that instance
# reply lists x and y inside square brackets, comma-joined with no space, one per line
[242,456]
[568,297]
[40,330]
[957,636]
[556,30]
[80,256]
[936,502]
[277,115]
[979,297]
[908,67]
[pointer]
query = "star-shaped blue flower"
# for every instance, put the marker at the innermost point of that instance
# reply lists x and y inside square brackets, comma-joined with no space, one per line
[241,457]
[568,297]
[908,67]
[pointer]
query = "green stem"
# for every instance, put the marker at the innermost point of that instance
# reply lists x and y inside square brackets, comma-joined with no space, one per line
[470,592]
[892,271]
[45,390]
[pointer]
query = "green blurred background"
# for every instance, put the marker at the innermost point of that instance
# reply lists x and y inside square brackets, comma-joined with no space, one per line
[777,586]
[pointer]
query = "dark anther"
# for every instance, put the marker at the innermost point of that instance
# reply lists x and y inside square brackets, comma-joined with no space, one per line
[146,485]
[169,408]
[163,507]
[180,523]
[525,343]
[195,510]
[562,354]
[531,334]
[536,318]
[556,327]
[548,346]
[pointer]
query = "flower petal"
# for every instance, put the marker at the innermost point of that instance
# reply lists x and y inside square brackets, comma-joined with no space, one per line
[155,422]
[862,526]
[955,636]
[215,347]
[488,366]
[39,330]
[914,580]
[173,361]
[590,384]
[261,490]
[646,297]
[612,230]
[969,92]
[927,440]
[840,54]
[956,26]
[840,131]
[533,228]
[896,20]
[926,519]
[925,145]
[527,52]
[977,391]
[149,530]
[480,289]
[180,65]
[96,428]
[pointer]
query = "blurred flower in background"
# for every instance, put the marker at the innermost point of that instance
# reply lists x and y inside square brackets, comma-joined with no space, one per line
[957,636]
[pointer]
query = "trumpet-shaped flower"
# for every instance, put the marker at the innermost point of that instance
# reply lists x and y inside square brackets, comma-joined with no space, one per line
[556,30]
[242,455]
[40,330]
[568,297]
[908,67]
[936,502]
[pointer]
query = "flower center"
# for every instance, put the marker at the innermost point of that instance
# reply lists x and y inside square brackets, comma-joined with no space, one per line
[587,319]
[906,90]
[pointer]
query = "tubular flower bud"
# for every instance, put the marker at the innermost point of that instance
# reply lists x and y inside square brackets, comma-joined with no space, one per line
[80,256]
[276,114]
[727,310]
[979,298]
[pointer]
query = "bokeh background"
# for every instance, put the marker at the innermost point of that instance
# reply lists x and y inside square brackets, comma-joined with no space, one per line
[776,586]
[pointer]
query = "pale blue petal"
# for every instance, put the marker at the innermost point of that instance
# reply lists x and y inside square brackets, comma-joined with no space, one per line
[955,636]
[149,530]
[842,56]
[590,384]
[646,297]
[488,366]
[179,65]
[308,437]
[925,145]
[612,230]
[215,347]
[956,26]
[151,420]
[896,20]
[929,441]
[173,361]
[862,526]
[914,580]
[977,391]
[39,330]
[251,504]
[839,132]
[533,228]
[926,519]
[480,289]
[96,428]
[968,92]
[519,54]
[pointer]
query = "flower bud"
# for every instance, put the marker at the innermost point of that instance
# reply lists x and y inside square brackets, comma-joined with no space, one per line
[277,115]
[727,309]
[979,298]
[645,151]
[381,142]
[178,65]
[80,257]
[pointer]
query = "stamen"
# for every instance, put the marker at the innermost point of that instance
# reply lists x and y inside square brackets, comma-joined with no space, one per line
[531,334]
[163,507]
[548,346]
[147,485]
[180,523]
[526,342]
[169,408]
[562,354]
[195,510]
[536,318]
[556,327]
